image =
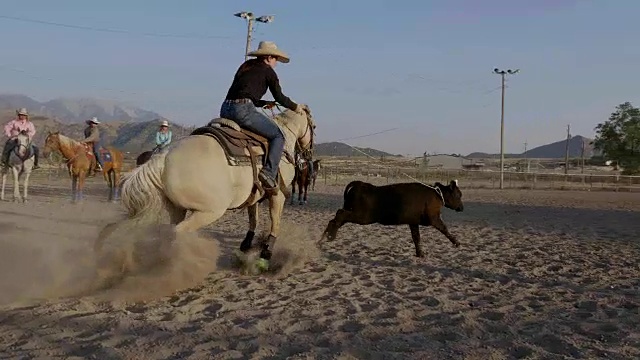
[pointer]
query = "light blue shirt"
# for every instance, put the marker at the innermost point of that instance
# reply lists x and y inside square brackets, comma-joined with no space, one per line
[163,139]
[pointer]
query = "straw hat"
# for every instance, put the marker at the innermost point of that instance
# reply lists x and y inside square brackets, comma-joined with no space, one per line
[93,120]
[22,111]
[164,123]
[270,48]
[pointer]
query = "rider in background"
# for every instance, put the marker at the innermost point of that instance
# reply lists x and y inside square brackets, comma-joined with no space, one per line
[163,136]
[308,154]
[92,137]
[12,129]
[305,156]
[250,83]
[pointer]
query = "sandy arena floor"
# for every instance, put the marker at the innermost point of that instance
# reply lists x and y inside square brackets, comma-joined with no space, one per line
[539,275]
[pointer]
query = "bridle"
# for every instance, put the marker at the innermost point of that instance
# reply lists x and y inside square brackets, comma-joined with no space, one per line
[309,128]
[26,150]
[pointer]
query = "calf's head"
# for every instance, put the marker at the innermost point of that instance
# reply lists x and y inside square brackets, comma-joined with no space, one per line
[452,195]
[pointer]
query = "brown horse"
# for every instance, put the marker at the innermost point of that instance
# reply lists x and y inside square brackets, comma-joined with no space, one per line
[78,161]
[302,178]
[316,167]
[112,161]
[144,157]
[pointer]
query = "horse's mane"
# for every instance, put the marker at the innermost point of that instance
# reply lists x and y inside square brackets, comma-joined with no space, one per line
[287,115]
[68,140]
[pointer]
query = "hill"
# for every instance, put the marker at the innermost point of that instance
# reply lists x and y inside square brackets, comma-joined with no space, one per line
[341,149]
[125,135]
[136,137]
[554,150]
[76,110]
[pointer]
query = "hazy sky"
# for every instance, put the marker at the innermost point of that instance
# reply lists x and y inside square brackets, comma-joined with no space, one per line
[424,67]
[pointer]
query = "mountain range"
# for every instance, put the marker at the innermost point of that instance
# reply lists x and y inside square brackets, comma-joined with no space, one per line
[133,129]
[549,151]
[73,110]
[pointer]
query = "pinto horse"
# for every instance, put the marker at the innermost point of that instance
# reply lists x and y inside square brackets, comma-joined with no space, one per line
[21,161]
[78,160]
[302,178]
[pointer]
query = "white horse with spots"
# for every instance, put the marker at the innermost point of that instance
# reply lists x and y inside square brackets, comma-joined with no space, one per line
[196,174]
[21,160]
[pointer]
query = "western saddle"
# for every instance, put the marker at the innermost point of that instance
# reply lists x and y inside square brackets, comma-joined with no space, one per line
[242,148]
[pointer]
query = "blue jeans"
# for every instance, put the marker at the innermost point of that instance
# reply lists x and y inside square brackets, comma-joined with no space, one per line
[96,153]
[247,116]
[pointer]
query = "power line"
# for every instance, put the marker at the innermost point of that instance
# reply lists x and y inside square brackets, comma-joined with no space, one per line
[366,135]
[116,31]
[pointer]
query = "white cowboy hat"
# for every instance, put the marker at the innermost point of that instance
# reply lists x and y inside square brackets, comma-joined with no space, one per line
[22,111]
[164,123]
[270,48]
[93,120]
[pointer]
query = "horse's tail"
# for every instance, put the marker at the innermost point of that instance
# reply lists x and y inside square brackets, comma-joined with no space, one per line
[348,195]
[142,190]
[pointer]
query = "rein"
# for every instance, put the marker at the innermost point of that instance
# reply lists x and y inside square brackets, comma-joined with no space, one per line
[26,147]
[308,127]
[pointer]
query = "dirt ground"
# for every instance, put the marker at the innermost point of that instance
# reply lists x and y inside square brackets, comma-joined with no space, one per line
[539,275]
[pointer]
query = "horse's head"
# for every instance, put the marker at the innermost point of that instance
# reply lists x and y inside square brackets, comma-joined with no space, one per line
[304,127]
[23,136]
[23,141]
[51,143]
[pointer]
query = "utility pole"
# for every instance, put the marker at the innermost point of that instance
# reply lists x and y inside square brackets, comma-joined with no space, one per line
[582,156]
[526,160]
[502,73]
[566,154]
[250,21]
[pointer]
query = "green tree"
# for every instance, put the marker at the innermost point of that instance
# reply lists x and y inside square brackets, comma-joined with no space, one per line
[619,137]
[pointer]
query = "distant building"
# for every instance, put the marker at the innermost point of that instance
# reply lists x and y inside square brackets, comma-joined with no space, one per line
[452,162]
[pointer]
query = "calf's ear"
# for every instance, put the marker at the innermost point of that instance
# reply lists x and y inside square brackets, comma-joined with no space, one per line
[454,183]
[437,183]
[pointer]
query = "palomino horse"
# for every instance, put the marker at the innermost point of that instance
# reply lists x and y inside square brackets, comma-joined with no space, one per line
[21,162]
[302,178]
[316,168]
[214,170]
[78,160]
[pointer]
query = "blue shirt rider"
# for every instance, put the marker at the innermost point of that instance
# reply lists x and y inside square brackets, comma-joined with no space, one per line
[163,136]
[92,137]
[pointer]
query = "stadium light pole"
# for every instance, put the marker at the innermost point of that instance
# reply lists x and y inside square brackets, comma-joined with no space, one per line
[250,21]
[502,74]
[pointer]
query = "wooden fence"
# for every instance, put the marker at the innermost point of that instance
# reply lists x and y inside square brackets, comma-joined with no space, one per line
[330,174]
[341,175]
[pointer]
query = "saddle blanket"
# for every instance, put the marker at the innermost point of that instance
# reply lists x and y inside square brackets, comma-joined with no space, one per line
[105,155]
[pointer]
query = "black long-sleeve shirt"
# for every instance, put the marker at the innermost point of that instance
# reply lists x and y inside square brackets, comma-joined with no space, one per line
[252,83]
